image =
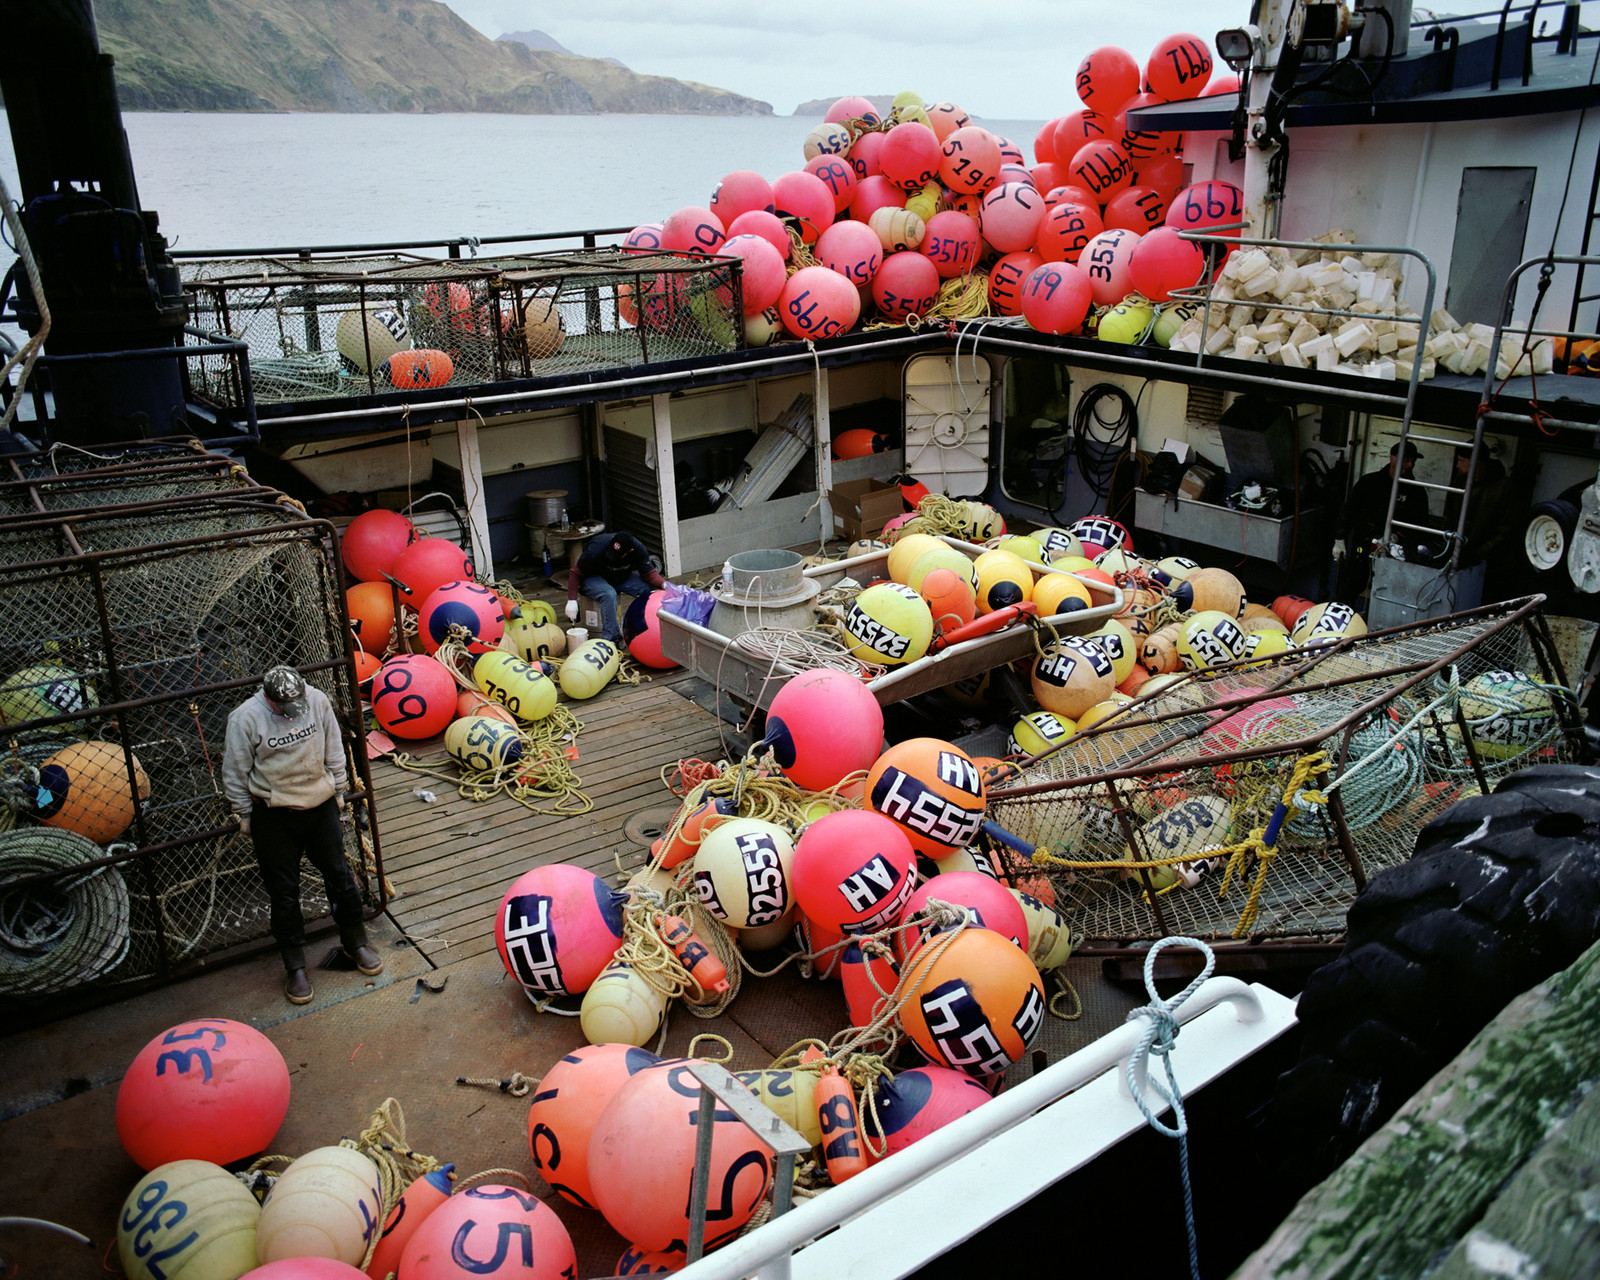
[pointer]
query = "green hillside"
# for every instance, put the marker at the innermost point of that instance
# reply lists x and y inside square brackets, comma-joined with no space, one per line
[364,55]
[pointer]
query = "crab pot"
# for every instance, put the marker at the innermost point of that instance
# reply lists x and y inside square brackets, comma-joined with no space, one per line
[1152,806]
[128,632]
[465,322]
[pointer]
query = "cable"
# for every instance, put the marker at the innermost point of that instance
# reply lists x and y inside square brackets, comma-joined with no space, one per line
[1099,458]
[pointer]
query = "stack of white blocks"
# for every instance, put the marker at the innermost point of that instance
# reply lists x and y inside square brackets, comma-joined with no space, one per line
[1380,341]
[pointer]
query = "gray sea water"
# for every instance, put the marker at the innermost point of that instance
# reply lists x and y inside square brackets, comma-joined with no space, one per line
[231,181]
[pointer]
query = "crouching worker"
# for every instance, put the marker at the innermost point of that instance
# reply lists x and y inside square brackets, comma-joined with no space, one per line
[611,562]
[284,774]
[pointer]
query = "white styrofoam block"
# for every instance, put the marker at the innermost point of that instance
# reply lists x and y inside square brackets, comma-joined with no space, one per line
[1290,355]
[1314,347]
[1327,360]
[1353,340]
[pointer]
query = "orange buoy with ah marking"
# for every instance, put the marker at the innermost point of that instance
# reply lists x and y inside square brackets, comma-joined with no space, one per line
[418,1200]
[841,1127]
[419,369]
[695,956]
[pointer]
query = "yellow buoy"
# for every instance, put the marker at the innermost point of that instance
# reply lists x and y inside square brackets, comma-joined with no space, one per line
[1266,644]
[589,668]
[890,624]
[1209,639]
[1188,829]
[622,1007]
[897,229]
[327,1204]
[1038,731]
[382,334]
[1120,647]
[1126,322]
[943,556]
[482,743]
[1102,711]
[40,693]
[1024,546]
[532,638]
[983,521]
[1049,939]
[1054,593]
[1507,713]
[518,686]
[188,1220]
[908,550]
[865,547]
[1057,542]
[998,573]
[1071,675]
[1324,622]
[1205,590]
[790,1095]
[544,328]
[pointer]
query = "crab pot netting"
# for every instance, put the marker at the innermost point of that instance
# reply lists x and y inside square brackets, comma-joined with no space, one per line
[533,316]
[111,487]
[1201,766]
[252,585]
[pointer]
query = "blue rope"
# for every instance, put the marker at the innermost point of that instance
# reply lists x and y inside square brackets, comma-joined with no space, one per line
[1159,1037]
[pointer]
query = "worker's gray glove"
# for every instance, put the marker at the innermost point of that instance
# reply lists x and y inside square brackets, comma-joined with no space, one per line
[572,610]
[1338,549]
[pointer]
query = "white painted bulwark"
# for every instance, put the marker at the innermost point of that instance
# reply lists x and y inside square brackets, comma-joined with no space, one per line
[666,483]
[471,461]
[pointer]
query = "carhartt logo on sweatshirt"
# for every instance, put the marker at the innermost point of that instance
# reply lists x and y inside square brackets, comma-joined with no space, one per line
[288,740]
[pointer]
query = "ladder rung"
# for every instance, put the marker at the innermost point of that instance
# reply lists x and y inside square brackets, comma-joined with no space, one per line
[1423,528]
[1427,484]
[1417,435]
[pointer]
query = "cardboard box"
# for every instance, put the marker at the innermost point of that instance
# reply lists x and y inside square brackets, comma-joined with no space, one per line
[1198,481]
[862,507]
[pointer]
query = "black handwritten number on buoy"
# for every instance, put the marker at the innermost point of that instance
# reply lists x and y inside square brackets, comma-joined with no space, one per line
[509,701]
[1101,259]
[174,1210]
[723,1210]
[836,1115]
[397,680]
[1185,65]
[502,1246]
[1046,282]
[183,1059]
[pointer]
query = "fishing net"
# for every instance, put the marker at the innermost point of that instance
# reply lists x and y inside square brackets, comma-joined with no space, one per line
[1167,818]
[127,635]
[490,319]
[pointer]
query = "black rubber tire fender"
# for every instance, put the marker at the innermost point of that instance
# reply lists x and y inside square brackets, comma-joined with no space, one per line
[1503,891]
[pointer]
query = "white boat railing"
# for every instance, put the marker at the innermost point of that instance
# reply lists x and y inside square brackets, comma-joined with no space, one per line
[1030,1136]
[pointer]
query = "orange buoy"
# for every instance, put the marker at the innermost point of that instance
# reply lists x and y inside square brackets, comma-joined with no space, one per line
[860,442]
[695,956]
[866,980]
[932,791]
[561,1117]
[367,666]
[418,1200]
[702,818]
[371,609]
[840,1123]
[951,599]
[975,1003]
[419,369]
[474,1233]
[85,788]
[470,702]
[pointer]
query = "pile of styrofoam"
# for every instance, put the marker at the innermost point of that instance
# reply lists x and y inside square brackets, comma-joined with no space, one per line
[1381,340]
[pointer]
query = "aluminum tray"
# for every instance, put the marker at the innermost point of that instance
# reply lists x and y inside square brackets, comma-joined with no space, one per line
[753,680]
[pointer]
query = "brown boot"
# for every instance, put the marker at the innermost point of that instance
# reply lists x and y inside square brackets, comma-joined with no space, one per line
[297,987]
[367,960]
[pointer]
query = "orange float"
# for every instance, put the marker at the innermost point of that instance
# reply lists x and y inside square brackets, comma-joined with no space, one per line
[418,1200]
[419,369]
[974,1004]
[371,609]
[840,1123]
[932,791]
[470,702]
[561,1117]
[474,1233]
[701,819]
[85,788]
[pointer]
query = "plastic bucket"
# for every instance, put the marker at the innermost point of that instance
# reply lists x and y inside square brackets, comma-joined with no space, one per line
[576,636]
[546,506]
[764,575]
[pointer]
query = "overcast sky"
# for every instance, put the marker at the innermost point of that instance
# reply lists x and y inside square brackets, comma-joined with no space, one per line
[1012,60]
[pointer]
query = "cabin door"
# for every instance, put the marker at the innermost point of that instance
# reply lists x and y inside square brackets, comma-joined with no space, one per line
[947,423]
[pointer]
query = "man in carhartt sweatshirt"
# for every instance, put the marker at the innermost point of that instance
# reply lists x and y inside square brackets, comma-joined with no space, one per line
[284,774]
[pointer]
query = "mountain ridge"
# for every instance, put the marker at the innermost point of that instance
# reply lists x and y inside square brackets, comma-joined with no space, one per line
[414,56]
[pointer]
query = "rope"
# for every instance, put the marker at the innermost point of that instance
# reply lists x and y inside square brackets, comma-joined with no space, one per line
[383,1142]
[516,1084]
[1160,1035]
[64,932]
[938,514]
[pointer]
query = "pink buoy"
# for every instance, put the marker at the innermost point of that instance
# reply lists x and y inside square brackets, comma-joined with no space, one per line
[1208,204]
[838,175]
[951,243]
[906,284]
[1144,144]
[646,646]
[1046,176]
[1138,209]
[1006,279]
[1015,173]
[490,1230]
[910,156]
[864,155]
[1227,82]
[763,270]
[1163,261]
[1065,229]
[461,604]
[1107,78]
[1105,261]
[1010,152]
[209,1089]
[987,902]
[642,1156]
[866,980]
[557,927]
[945,118]
[1044,142]
[741,191]
[1161,173]
[1102,166]
[971,159]
[874,193]
[758,222]
[1179,68]
[1010,215]
[562,1115]
[896,522]
[852,108]
[802,200]
[1056,298]
[852,249]
[413,696]
[305,1269]
[373,541]
[917,1102]
[426,565]
[645,238]
[818,302]
[1068,193]
[853,871]
[692,230]
[823,725]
